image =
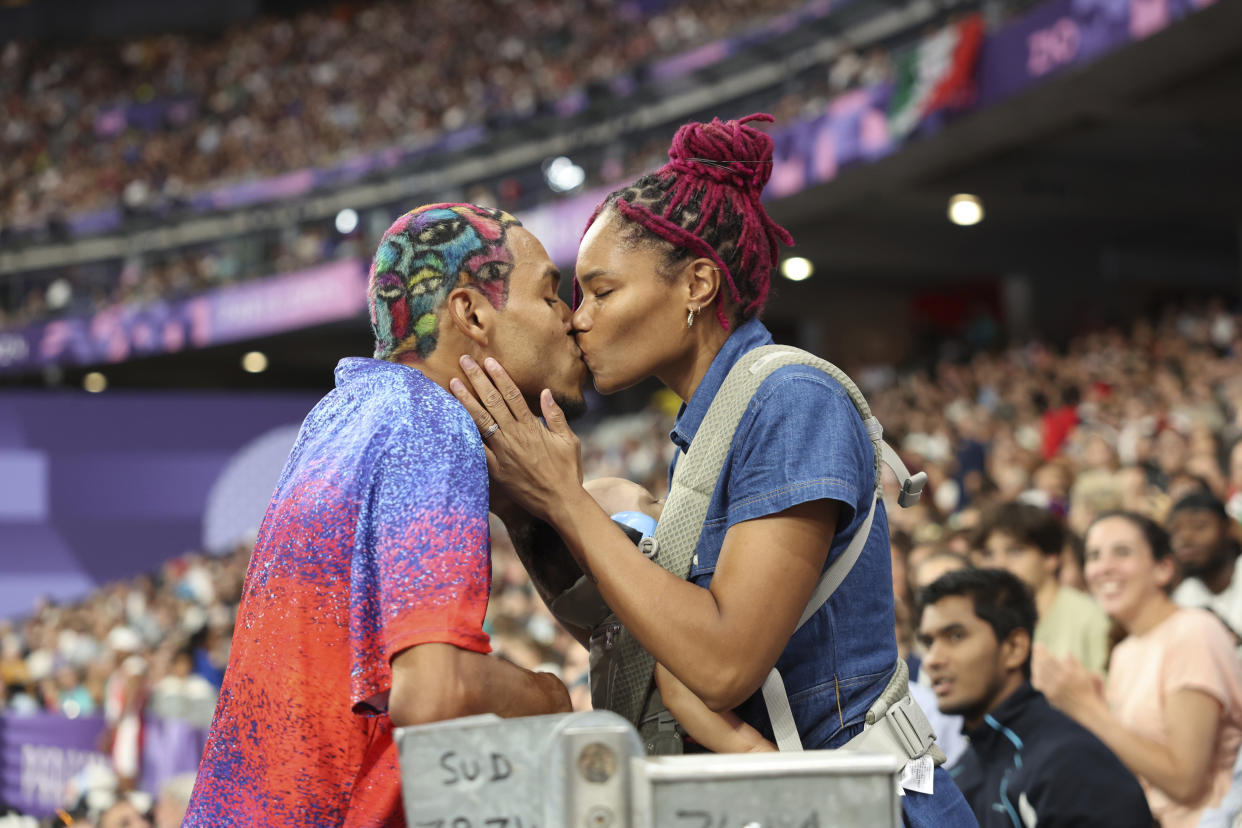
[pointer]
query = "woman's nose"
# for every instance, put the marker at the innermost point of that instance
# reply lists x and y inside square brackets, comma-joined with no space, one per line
[579,320]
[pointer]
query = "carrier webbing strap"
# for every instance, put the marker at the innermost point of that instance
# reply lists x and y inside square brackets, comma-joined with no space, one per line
[694,482]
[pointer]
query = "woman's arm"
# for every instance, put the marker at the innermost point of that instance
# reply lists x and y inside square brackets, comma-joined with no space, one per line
[718,732]
[1178,768]
[721,642]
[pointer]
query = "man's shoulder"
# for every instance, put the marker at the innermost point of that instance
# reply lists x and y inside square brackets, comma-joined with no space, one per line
[1057,747]
[1192,592]
[411,405]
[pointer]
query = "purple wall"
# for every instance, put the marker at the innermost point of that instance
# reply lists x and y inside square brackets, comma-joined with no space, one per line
[95,488]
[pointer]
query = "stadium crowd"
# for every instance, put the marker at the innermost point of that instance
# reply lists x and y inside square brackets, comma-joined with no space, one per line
[1147,420]
[218,121]
[282,94]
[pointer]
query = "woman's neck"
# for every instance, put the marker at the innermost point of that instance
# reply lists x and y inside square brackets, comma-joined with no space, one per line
[1151,615]
[684,377]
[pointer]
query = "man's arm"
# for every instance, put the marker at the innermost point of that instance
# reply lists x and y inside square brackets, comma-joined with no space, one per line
[432,682]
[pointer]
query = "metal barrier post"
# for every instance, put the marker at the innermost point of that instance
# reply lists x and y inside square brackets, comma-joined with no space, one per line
[588,770]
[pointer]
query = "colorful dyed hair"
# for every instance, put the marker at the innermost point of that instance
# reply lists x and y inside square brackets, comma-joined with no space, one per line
[705,202]
[421,258]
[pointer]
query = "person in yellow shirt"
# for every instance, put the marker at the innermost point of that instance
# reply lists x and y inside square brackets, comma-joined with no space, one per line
[1027,541]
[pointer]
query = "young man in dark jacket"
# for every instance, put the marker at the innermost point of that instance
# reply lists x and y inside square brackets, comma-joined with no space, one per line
[1027,764]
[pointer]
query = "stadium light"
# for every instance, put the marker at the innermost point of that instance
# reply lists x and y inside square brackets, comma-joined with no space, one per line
[254,362]
[796,268]
[563,175]
[965,209]
[347,221]
[94,382]
[59,293]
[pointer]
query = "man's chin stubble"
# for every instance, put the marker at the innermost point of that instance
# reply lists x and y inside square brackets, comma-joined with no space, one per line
[574,407]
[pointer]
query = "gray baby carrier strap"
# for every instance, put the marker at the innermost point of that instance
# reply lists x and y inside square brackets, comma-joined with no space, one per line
[631,691]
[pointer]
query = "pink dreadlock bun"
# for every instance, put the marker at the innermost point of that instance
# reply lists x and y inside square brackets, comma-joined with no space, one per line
[705,202]
[728,152]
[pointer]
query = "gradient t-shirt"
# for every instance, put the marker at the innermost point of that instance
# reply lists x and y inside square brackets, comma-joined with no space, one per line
[375,540]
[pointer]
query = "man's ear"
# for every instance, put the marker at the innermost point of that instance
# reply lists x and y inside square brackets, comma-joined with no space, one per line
[702,282]
[1052,564]
[471,314]
[1016,649]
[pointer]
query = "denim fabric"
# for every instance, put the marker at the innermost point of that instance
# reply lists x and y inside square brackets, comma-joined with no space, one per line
[801,440]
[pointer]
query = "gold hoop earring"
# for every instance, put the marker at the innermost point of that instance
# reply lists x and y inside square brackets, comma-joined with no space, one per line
[692,315]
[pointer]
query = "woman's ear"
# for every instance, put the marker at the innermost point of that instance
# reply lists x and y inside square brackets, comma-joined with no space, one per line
[702,282]
[1166,573]
[471,314]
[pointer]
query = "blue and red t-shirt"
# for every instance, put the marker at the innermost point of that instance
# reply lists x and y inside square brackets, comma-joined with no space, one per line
[375,540]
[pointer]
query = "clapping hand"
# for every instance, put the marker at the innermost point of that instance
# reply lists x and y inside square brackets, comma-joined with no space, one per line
[1069,686]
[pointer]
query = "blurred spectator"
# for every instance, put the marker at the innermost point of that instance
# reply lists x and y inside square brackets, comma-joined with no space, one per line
[173,799]
[1025,759]
[1029,542]
[934,565]
[1172,711]
[124,697]
[1199,530]
[123,815]
[182,694]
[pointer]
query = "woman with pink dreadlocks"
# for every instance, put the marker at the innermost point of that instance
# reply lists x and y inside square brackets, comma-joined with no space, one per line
[672,274]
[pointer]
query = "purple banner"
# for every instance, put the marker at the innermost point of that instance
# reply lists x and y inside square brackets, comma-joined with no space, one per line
[41,754]
[300,182]
[1065,33]
[327,293]
[106,486]
[169,747]
[148,115]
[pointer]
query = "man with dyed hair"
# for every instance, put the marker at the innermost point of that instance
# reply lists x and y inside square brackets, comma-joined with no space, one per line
[364,601]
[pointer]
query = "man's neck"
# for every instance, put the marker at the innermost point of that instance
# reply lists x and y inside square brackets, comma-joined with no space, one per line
[1013,682]
[442,364]
[1221,576]
[433,369]
[1046,596]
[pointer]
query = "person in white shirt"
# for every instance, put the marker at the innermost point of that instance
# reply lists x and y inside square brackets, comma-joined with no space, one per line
[1200,531]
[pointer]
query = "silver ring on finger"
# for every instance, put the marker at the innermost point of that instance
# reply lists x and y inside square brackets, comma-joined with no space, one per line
[492,429]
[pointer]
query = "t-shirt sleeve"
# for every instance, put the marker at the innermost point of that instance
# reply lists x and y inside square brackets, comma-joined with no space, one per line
[423,574]
[800,440]
[1095,642]
[1201,657]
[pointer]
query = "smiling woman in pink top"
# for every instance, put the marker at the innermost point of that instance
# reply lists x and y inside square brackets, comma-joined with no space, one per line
[1172,710]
